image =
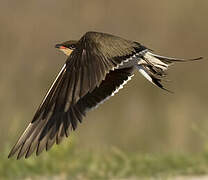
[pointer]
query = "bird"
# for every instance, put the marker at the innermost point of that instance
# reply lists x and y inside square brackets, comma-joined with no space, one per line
[97,66]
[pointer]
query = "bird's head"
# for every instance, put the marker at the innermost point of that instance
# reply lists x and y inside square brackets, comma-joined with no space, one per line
[67,47]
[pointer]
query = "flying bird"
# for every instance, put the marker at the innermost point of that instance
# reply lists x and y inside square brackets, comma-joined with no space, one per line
[97,66]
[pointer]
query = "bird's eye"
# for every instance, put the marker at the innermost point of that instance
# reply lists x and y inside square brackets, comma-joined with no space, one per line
[72,46]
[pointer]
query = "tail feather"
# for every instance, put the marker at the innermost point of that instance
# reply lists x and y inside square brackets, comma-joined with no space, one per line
[151,77]
[173,59]
[153,67]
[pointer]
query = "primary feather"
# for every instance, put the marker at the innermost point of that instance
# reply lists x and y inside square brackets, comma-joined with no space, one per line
[97,67]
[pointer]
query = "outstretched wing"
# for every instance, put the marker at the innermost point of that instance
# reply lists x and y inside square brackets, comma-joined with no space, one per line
[78,87]
[60,128]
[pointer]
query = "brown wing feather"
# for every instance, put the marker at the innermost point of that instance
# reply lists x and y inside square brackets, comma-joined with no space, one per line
[71,93]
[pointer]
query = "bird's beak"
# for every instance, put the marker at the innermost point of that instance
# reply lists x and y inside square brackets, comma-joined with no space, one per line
[59,46]
[64,49]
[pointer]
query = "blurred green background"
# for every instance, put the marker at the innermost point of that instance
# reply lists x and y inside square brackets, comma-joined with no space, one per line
[141,117]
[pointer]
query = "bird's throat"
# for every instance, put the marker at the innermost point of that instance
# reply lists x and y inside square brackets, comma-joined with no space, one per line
[66,51]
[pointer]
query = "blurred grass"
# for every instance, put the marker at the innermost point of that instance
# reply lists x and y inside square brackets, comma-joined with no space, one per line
[67,162]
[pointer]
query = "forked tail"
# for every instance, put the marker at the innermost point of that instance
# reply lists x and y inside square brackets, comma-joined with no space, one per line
[153,67]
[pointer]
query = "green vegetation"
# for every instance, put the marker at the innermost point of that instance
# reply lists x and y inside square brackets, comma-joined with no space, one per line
[71,163]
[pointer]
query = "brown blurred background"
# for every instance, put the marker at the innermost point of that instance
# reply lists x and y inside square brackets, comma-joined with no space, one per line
[140,117]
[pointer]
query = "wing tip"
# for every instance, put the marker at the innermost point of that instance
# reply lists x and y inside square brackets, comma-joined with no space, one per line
[10,155]
[13,152]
